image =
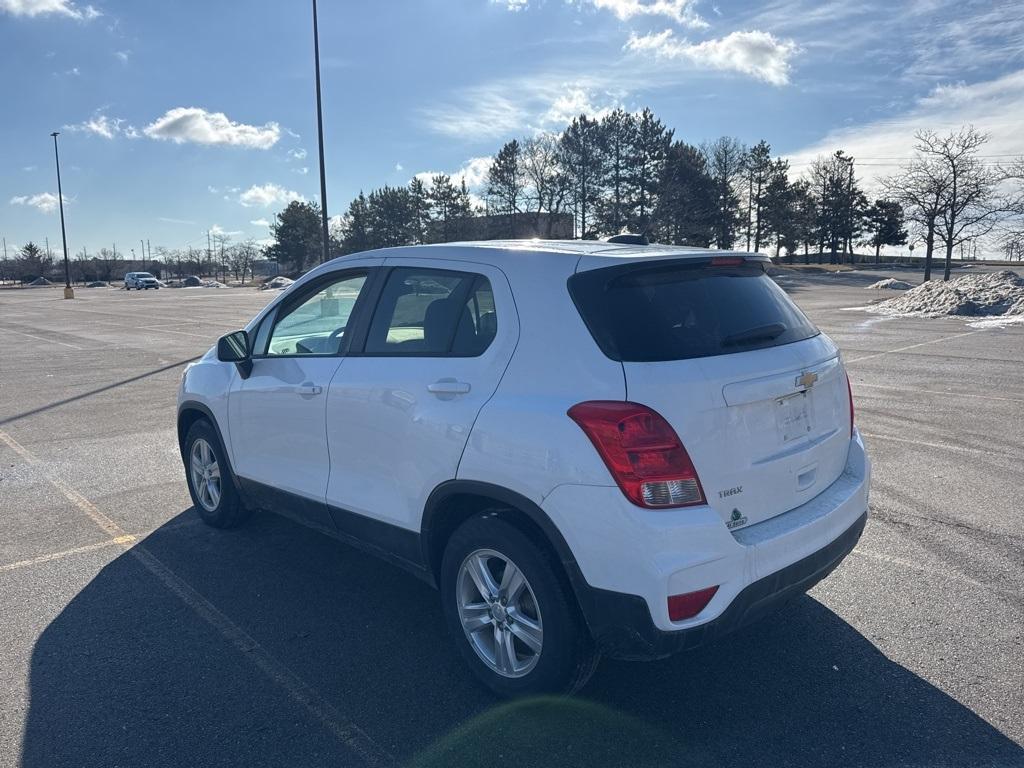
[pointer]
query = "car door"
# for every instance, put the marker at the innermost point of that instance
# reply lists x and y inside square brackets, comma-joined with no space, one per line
[401,409]
[277,414]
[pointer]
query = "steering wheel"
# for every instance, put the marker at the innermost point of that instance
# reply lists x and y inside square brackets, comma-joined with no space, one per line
[335,335]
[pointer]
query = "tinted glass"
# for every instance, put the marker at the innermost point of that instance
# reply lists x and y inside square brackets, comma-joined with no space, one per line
[317,325]
[685,310]
[432,312]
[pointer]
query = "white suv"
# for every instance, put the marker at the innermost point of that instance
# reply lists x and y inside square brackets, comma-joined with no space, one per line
[140,281]
[587,447]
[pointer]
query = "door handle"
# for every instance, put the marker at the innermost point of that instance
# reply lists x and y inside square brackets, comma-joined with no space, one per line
[448,387]
[309,390]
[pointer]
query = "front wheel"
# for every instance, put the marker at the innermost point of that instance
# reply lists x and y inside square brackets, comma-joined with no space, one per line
[209,479]
[510,613]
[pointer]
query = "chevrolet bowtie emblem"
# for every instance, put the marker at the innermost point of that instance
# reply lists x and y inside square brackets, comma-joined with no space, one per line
[806,379]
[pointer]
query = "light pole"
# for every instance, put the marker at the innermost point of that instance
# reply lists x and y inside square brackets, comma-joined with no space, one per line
[325,235]
[69,292]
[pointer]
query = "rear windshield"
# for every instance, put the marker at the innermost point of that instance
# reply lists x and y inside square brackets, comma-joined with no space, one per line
[681,310]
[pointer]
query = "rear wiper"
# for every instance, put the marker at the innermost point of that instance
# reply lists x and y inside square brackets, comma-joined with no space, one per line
[760,333]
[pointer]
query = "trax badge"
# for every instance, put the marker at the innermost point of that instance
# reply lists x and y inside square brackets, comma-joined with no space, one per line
[806,379]
[736,519]
[730,492]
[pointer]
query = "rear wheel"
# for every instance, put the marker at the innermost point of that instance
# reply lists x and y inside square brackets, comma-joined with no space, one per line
[209,479]
[513,619]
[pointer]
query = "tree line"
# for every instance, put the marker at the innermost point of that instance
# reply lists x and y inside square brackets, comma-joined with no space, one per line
[627,171]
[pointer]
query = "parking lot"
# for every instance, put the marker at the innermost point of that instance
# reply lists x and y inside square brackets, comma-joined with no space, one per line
[131,634]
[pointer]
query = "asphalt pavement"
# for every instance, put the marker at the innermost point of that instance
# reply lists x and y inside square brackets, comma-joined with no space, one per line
[133,635]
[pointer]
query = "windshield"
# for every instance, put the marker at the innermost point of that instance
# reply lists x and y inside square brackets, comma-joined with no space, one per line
[685,309]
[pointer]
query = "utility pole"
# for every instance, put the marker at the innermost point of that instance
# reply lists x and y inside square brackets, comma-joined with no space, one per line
[209,253]
[325,235]
[69,292]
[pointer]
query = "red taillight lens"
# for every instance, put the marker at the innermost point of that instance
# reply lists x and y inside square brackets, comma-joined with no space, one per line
[642,452]
[689,605]
[849,391]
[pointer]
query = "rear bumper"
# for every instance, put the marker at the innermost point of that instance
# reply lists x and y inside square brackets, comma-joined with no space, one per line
[621,624]
[627,560]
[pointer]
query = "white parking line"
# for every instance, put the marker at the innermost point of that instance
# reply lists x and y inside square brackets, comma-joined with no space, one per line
[346,731]
[945,446]
[915,390]
[944,574]
[915,346]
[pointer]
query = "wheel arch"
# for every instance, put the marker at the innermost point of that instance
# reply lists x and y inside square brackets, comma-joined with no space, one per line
[454,502]
[191,411]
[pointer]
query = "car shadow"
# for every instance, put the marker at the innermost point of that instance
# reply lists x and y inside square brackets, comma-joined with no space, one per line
[129,674]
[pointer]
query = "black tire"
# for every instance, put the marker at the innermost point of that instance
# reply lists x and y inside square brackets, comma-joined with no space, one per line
[568,656]
[229,512]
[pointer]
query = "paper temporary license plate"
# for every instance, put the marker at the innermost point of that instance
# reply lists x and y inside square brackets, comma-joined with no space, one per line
[793,417]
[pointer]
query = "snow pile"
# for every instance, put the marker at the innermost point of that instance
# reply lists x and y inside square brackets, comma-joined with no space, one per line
[891,283]
[98,284]
[278,283]
[40,281]
[996,294]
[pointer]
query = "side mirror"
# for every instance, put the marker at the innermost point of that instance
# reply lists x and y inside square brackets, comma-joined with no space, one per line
[234,348]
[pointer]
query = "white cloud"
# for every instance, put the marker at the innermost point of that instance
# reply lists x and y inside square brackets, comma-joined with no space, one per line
[265,195]
[513,5]
[297,154]
[260,223]
[398,167]
[573,103]
[171,220]
[192,124]
[218,231]
[32,8]
[515,106]
[44,201]
[680,11]
[755,53]
[123,55]
[107,127]
[301,171]
[878,147]
[473,171]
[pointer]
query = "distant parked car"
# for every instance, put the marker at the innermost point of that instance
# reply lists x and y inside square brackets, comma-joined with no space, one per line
[140,280]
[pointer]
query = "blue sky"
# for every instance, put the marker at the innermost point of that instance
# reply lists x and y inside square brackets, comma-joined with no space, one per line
[181,116]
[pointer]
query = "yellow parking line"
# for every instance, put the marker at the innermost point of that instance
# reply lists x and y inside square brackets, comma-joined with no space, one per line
[51,556]
[350,734]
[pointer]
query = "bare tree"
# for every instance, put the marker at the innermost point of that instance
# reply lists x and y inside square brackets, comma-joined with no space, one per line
[969,206]
[548,184]
[921,187]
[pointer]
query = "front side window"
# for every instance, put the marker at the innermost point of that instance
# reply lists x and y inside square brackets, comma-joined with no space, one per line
[425,312]
[317,325]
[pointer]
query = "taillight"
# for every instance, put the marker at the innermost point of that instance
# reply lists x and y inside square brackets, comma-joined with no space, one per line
[642,452]
[849,391]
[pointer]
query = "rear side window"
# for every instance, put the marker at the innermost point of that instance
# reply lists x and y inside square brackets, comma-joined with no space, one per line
[683,310]
[424,312]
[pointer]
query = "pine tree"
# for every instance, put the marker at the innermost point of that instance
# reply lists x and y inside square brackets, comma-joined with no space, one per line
[419,210]
[727,159]
[647,163]
[777,207]
[581,157]
[759,168]
[618,140]
[685,213]
[355,226]
[506,183]
[390,217]
[298,237]
[885,222]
